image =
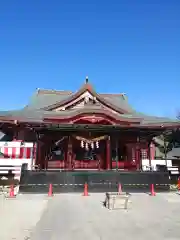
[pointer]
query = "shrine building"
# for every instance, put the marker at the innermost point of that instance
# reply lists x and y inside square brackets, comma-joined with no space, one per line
[83,130]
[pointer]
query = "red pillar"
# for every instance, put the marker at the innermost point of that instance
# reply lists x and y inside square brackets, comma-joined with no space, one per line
[152,151]
[108,154]
[34,153]
[69,154]
[137,156]
[66,154]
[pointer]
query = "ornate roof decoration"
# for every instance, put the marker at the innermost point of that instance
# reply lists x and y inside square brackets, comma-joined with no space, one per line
[87,87]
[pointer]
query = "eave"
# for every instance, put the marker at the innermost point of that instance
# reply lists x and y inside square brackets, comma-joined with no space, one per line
[69,117]
[81,113]
[30,123]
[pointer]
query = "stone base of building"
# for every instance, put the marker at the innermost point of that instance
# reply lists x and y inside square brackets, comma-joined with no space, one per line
[98,181]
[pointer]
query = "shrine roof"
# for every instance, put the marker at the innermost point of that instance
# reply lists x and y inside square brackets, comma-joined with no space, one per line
[27,115]
[52,104]
[44,98]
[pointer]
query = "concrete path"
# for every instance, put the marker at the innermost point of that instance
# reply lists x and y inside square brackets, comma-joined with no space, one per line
[19,216]
[70,217]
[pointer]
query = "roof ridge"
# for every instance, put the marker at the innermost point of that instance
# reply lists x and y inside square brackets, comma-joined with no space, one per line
[112,94]
[52,91]
[62,92]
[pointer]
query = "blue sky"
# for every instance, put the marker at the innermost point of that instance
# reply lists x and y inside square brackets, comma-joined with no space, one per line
[130,46]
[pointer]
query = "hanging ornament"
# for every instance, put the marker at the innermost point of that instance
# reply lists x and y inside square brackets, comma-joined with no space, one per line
[87,147]
[92,145]
[97,144]
[82,144]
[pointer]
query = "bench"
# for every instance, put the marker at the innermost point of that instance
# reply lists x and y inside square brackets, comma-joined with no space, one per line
[117,200]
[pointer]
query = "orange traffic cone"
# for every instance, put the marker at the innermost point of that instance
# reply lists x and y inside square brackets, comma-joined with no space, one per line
[152,190]
[85,194]
[178,184]
[119,188]
[50,193]
[11,193]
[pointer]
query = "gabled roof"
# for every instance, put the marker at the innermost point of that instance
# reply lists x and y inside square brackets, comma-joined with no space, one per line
[99,97]
[44,98]
[115,106]
[51,99]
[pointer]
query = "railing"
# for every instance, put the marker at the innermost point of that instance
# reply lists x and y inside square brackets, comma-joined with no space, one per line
[86,164]
[90,164]
[56,164]
[76,164]
[123,164]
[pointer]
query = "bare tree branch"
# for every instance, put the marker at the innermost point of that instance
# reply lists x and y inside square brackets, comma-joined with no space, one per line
[178,115]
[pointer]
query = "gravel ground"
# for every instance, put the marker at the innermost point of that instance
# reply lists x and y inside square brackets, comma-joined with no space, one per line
[71,216]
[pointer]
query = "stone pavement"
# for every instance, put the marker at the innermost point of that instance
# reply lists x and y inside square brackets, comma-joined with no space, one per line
[19,216]
[76,217]
[71,216]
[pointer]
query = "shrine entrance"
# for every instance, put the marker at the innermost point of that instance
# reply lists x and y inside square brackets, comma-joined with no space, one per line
[89,153]
[90,147]
[76,152]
